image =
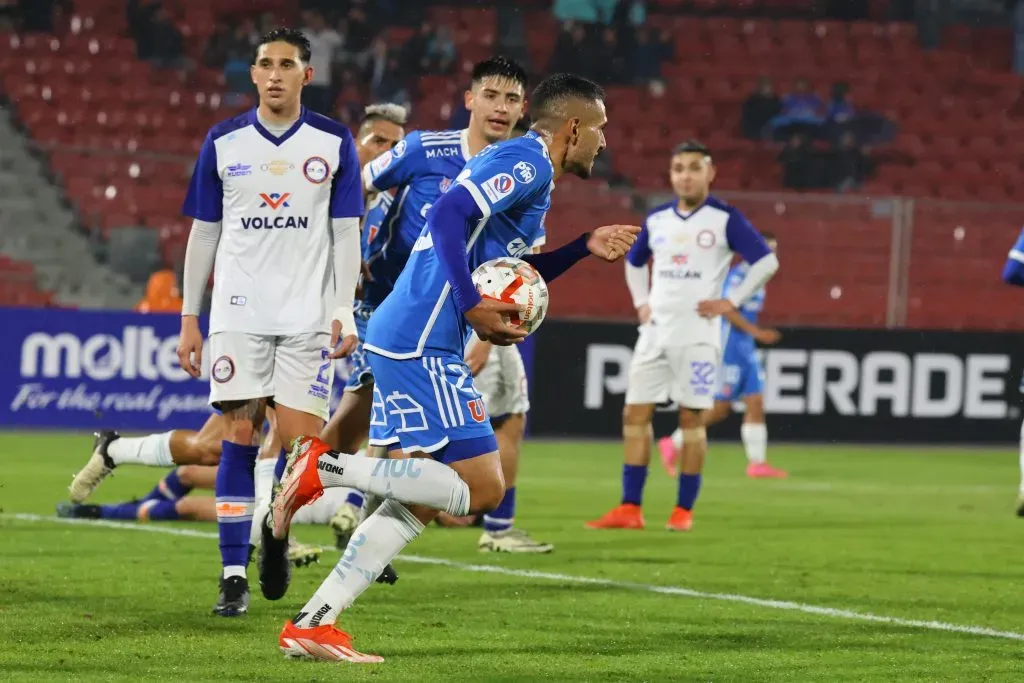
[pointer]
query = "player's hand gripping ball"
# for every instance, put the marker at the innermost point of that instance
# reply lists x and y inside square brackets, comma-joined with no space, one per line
[514,281]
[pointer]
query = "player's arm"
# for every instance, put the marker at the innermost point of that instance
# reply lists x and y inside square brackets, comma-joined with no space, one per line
[761,334]
[638,276]
[394,167]
[1013,271]
[744,240]
[346,211]
[204,203]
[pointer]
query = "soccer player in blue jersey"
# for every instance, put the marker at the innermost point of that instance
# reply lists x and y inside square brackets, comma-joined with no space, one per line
[742,378]
[419,170]
[444,455]
[1013,274]
[276,201]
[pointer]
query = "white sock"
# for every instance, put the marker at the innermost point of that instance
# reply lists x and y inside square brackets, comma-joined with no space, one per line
[1022,459]
[416,481]
[677,438]
[264,477]
[234,570]
[755,442]
[376,542]
[323,508]
[153,450]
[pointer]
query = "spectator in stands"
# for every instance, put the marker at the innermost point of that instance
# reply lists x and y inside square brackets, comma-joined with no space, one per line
[391,87]
[869,128]
[848,165]
[360,27]
[441,51]
[413,56]
[607,62]
[166,45]
[798,164]
[324,42]
[627,19]
[802,112]
[570,49]
[762,106]
[162,294]
[646,62]
[37,15]
[586,11]
[376,62]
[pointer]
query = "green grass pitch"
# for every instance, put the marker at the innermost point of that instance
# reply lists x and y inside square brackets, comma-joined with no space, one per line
[912,535]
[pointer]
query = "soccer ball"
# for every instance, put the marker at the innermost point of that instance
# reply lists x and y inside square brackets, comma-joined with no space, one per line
[515,281]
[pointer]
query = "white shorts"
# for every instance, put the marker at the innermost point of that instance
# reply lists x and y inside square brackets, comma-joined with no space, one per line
[502,382]
[659,373]
[294,370]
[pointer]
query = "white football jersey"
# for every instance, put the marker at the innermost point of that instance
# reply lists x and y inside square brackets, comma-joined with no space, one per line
[275,198]
[690,255]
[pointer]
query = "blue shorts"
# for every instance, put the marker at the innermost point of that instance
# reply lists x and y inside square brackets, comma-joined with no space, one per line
[429,404]
[742,376]
[359,372]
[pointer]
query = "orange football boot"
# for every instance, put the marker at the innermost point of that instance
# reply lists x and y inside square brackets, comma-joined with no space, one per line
[624,516]
[327,643]
[300,485]
[680,520]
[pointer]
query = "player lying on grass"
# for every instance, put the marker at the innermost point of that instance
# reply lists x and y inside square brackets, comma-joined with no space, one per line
[742,380]
[416,341]
[169,501]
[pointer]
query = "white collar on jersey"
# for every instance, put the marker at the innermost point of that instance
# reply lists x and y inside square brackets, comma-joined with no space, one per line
[464,143]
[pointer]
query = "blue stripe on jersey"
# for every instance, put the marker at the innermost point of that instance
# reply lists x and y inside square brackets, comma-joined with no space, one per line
[737,340]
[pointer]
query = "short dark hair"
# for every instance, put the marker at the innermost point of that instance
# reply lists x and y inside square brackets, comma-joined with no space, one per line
[292,36]
[555,89]
[691,145]
[500,67]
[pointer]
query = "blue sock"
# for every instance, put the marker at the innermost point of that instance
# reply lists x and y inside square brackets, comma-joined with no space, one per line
[282,461]
[502,517]
[158,511]
[169,488]
[689,489]
[236,497]
[355,498]
[128,510]
[633,478]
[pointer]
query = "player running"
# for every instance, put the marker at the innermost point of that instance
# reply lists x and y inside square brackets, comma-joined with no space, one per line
[742,380]
[426,409]
[1013,274]
[276,204]
[691,241]
[419,170]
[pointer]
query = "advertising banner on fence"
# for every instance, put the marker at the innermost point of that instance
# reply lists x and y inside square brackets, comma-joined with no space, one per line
[820,384]
[92,369]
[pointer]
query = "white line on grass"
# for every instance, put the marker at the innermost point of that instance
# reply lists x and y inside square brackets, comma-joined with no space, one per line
[587,580]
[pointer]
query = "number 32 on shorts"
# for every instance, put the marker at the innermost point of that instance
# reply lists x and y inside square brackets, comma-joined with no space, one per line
[702,376]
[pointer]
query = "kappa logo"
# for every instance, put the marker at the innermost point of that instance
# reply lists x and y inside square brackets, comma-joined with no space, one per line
[275,200]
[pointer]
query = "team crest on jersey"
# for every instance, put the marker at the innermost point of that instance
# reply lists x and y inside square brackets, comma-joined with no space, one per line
[276,167]
[705,239]
[524,172]
[223,369]
[400,148]
[275,200]
[316,170]
[446,183]
[499,187]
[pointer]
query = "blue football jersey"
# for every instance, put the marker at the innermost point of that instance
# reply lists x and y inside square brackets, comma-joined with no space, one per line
[374,242]
[511,183]
[738,341]
[420,168]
